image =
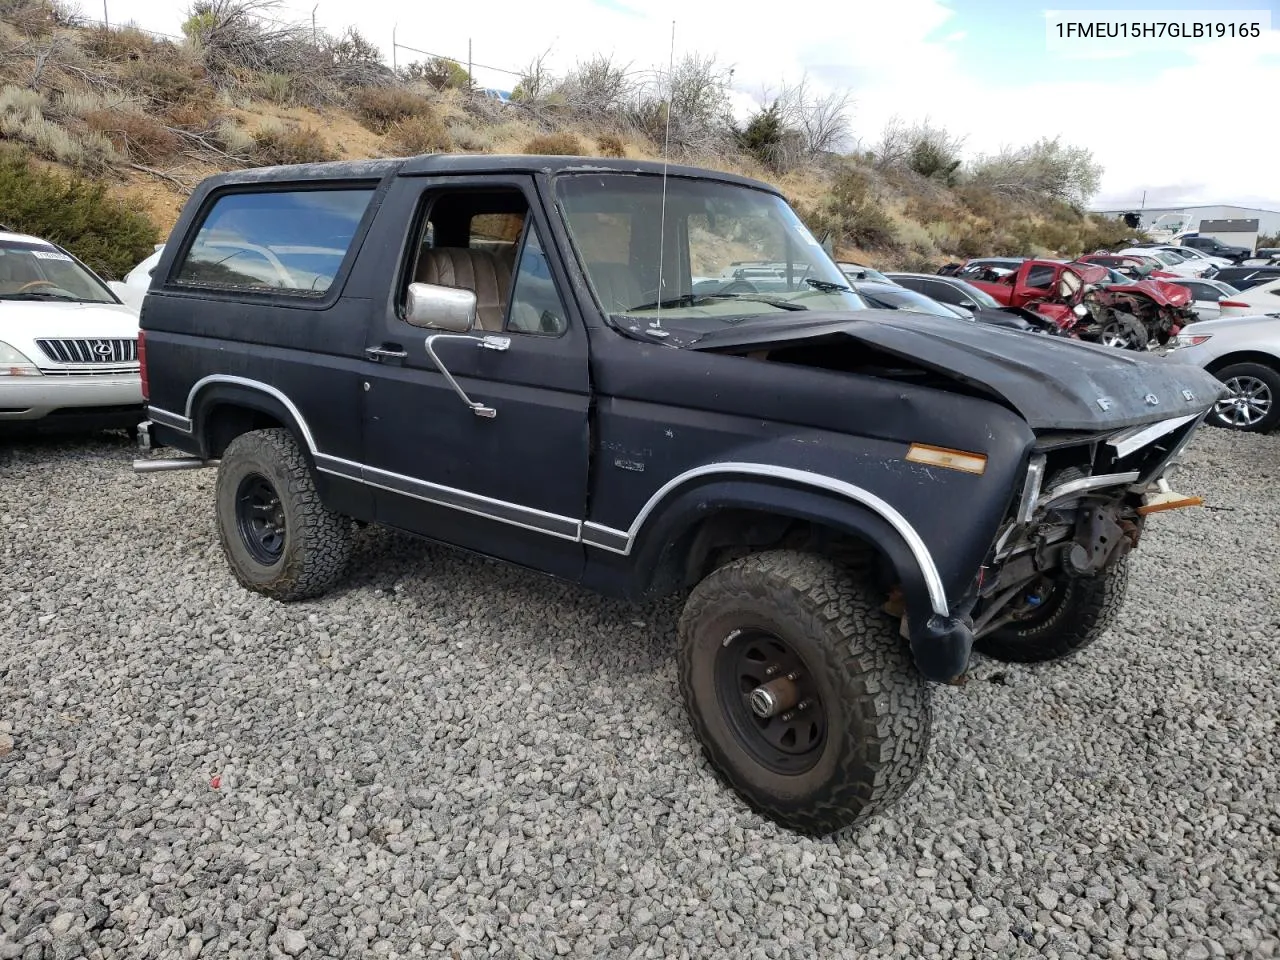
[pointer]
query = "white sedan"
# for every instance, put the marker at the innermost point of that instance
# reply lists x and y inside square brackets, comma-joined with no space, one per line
[1194,255]
[1262,299]
[68,346]
[1172,262]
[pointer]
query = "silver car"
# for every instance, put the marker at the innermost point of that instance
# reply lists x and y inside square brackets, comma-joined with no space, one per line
[1244,353]
[1205,294]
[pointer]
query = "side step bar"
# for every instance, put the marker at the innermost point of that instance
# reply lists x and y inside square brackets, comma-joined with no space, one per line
[155,466]
[178,463]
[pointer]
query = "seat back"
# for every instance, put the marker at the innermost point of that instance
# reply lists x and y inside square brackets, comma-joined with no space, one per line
[486,273]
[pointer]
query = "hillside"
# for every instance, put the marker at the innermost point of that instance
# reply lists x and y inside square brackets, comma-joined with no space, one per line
[103,132]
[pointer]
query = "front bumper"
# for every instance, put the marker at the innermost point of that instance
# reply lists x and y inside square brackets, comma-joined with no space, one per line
[25,399]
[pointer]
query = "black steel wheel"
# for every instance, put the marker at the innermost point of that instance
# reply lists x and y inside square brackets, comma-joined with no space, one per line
[802,693]
[277,535]
[260,518]
[771,699]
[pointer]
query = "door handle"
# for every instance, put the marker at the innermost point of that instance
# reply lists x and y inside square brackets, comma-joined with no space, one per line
[388,351]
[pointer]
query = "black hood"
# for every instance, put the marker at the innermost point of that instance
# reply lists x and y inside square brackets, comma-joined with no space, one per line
[1055,383]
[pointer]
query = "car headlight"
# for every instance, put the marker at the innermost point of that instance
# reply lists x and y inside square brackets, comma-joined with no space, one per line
[1080,310]
[1190,339]
[14,363]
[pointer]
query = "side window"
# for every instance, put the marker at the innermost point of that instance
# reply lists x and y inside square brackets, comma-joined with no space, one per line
[536,306]
[285,241]
[942,292]
[484,240]
[911,283]
[468,239]
[1040,277]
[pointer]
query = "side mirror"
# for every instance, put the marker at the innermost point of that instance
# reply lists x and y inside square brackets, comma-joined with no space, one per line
[440,308]
[967,305]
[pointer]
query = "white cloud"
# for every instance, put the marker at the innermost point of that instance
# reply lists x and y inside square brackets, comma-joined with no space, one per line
[897,59]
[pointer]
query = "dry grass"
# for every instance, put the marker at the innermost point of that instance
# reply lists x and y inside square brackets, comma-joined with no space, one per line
[279,144]
[420,134]
[562,144]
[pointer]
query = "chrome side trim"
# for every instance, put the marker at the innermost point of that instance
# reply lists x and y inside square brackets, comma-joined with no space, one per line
[1162,466]
[253,385]
[1031,489]
[1135,439]
[503,511]
[577,531]
[167,418]
[1085,484]
[933,580]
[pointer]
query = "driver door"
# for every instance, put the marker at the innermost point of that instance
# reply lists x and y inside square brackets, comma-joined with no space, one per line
[480,439]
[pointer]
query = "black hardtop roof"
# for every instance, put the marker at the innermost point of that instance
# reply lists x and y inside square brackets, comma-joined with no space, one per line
[470,163]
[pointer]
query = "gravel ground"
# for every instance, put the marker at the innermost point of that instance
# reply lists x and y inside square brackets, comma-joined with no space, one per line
[450,758]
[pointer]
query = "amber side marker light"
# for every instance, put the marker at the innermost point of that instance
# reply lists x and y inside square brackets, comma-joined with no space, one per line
[930,456]
[1169,501]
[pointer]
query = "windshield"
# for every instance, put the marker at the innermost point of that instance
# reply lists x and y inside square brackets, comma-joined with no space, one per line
[979,296]
[38,271]
[729,253]
[904,299]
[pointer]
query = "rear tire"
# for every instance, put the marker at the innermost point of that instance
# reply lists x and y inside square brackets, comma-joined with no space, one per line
[1076,613]
[278,537]
[865,734]
[1254,405]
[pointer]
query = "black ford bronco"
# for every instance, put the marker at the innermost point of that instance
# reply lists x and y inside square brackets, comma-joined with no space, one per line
[560,362]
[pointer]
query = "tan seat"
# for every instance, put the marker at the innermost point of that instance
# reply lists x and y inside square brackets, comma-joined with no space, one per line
[488,274]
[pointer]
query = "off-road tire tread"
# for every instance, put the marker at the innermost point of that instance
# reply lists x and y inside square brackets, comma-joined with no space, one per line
[319,540]
[1088,611]
[871,665]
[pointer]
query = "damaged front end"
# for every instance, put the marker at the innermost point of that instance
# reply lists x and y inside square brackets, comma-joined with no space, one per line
[1081,510]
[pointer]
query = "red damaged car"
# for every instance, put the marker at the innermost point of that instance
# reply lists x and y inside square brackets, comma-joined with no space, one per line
[1088,300]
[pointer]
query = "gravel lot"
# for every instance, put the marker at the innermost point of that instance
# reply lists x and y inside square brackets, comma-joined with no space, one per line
[450,758]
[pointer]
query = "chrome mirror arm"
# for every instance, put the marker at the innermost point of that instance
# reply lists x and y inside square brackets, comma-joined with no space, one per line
[488,343]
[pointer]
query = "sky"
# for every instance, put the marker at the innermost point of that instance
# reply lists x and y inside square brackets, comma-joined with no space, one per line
[1174,120]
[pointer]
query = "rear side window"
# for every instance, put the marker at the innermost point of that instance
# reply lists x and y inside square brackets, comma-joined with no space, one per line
[290,242]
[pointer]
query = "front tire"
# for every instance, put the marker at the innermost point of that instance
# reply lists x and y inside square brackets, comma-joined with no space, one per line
[1253,405]
[1075,613]
[278,537]
[863,733]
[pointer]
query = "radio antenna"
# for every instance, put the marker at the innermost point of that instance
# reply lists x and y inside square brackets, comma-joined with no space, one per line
[656,327]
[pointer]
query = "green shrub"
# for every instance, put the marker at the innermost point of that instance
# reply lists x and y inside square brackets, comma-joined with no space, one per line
[276,88]
[852,214]
[167,83]
[22,118]
[76,212]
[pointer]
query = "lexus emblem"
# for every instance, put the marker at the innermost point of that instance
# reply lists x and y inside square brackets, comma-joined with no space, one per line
[102,348]
[1151,399]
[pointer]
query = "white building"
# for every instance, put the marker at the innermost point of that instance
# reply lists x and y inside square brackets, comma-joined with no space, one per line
[1268,220]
